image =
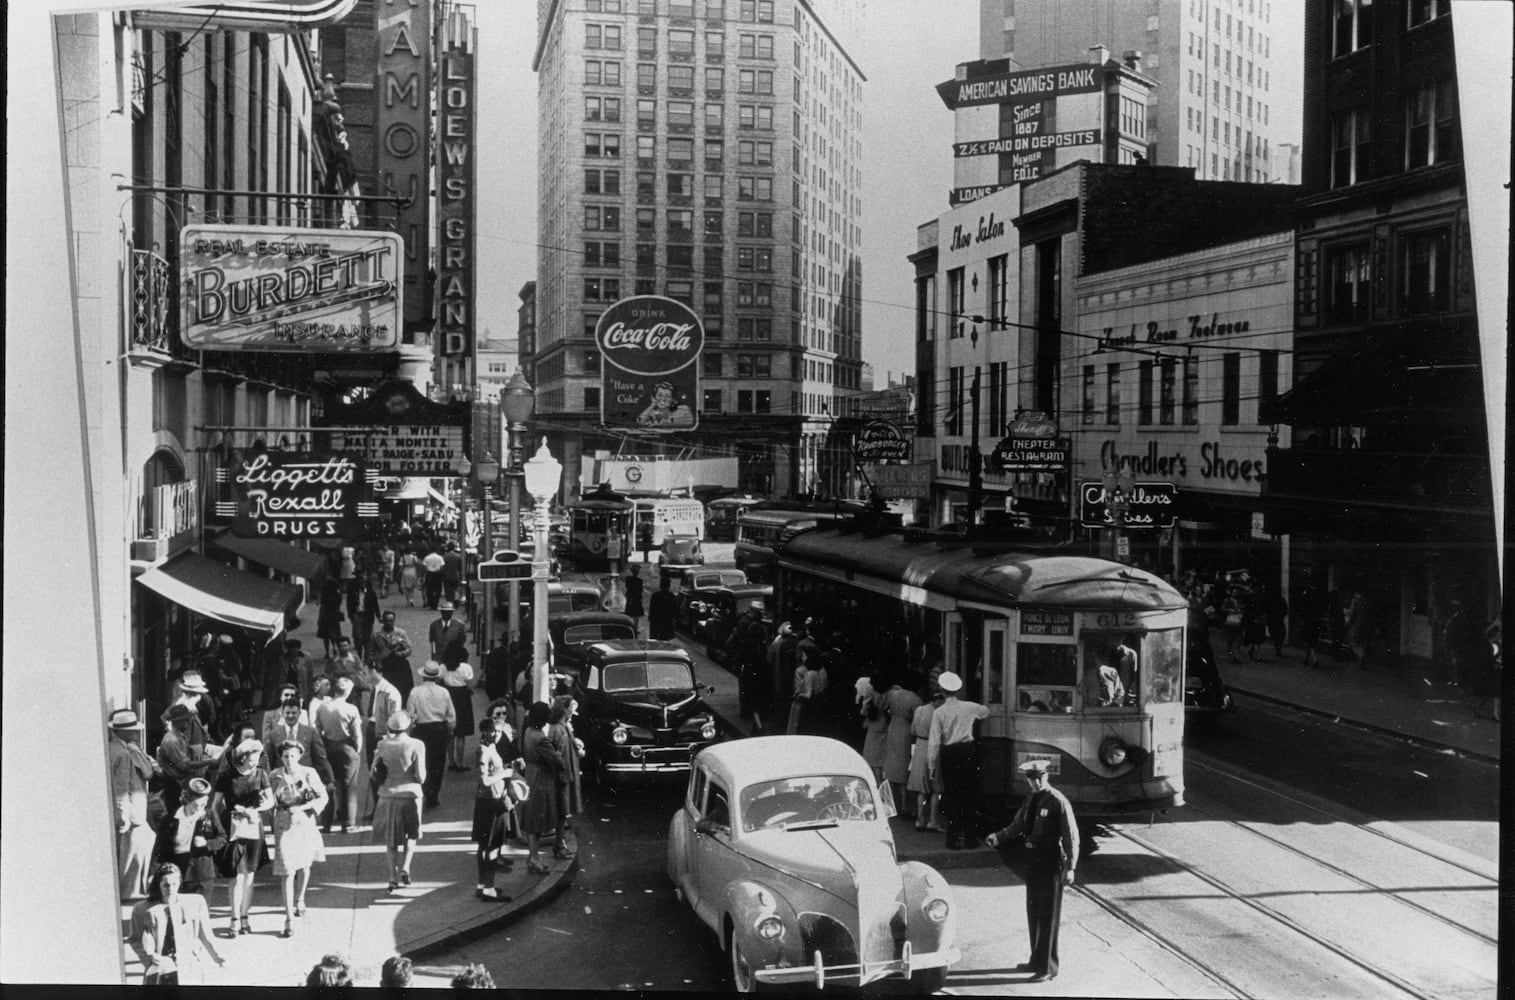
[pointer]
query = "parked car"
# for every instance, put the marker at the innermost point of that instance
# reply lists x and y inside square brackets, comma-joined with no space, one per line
[570,635]
[563,596]
[642,710]
[782,847]
[700,579]
[727,605]
[1206,698]
[697,601]
[679,554]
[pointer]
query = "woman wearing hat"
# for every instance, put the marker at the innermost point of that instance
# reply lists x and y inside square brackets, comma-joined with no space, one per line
[491,805]
[243,793]
[192,837]
[301,795]
[399,769]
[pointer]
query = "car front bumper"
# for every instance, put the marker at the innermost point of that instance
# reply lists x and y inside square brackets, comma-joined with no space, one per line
[817,974]
[634,759]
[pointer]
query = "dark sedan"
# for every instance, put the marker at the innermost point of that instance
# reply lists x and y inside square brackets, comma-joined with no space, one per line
[729,603]
[641,711]
[571,634]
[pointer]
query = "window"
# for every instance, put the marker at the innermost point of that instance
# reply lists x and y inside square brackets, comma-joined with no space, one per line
[680,79]
[710,401]
[1144,392]
[955,304]
[681,114]
[1166,391]
[681,291]
[1191,391]
[1088,394]
[713,224]
[602,289]
[647,76]
[647,256]
[647,147]
[754,188]
[647,42]
[713,187]
[1349,148]
[598,254]
[592,399]
[1354,26]
[1267,385]
[1347,289]
[1230,389]
[1423,11]
[711,365]
[681,151]
[715,116]
[744,400]
[715,80]
[681,257]
[680,42]
[680,224]
[1431,125]
[602,217]
[1425,272]
[1112,393]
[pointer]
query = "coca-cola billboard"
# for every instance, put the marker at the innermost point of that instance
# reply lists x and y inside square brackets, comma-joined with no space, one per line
[650,374]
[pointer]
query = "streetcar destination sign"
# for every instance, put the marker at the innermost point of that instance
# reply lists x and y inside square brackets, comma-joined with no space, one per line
[1035,621]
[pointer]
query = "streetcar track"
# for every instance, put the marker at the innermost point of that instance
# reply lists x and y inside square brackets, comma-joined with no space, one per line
[1114,907]
[1338,818]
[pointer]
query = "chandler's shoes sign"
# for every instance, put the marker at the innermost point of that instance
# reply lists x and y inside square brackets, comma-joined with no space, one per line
[298,495]
[249,288]
[650,378]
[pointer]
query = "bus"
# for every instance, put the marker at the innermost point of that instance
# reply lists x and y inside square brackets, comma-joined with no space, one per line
[762,527]
[721,515]
[664,516]
[1039,636]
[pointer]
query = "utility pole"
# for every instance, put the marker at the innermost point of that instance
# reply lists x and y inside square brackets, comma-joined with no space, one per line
[975,460]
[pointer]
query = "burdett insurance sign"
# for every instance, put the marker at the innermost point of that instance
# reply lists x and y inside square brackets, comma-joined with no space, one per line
[250,288]
[650,349]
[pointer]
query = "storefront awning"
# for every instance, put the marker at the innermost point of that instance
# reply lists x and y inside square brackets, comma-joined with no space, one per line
[218,591]
[441,499]
[409,488]
[1370,389]
[276,555]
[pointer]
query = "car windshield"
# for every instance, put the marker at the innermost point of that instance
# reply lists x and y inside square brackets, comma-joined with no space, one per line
[572,600]
[808,799]
[650,675]
[598,632]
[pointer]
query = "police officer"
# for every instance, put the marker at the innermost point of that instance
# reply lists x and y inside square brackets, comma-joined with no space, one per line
[1045,820]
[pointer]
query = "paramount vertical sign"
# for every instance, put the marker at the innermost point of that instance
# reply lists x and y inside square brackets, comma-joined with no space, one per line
[455,196]
[403,28]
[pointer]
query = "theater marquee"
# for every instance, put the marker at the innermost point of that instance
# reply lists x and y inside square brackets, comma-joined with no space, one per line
[250,288]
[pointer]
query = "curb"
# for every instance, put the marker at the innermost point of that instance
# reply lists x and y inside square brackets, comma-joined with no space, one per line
[1427,742]
[548,889]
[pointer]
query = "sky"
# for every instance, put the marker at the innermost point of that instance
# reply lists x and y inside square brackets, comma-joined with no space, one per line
[907,149]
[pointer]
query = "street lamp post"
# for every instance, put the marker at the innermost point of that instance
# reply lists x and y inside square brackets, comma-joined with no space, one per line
[517,400]
[543,475]
[486,472]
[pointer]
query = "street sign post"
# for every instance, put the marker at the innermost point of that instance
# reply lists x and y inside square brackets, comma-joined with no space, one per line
[506,565]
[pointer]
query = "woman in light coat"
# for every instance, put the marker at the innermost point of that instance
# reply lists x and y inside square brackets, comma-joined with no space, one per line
[301,795]
[900,705]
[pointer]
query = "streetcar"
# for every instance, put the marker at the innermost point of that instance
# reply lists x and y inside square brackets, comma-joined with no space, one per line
[721,514]
[763,527]
[599,528]
[1029,631]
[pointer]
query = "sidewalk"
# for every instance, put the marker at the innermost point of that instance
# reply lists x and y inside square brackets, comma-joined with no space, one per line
[350,909]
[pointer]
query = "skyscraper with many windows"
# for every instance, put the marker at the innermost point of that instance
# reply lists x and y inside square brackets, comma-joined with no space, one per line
[709,151]
[1216,92]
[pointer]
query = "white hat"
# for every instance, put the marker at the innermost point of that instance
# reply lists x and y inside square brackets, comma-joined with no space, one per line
[123,719]
[949,682]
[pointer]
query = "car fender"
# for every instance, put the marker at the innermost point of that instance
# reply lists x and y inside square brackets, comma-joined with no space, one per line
[921,883]
[748,901]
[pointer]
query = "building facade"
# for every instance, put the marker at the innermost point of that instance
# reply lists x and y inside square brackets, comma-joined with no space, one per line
[1215,95]
[1385,488]
[707,151]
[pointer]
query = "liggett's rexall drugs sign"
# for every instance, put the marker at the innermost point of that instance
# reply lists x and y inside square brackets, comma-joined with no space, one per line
[650,374]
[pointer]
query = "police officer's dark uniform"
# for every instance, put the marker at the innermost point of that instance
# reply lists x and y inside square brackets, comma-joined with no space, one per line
[1045,823]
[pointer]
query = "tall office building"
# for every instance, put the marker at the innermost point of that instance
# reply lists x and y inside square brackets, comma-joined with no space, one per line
[709,151]
[1217,94]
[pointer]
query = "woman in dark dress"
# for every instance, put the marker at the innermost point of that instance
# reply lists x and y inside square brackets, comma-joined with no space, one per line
[539,813]
[635,591]
[491,806]
[192,837]
[243,793]
[329,618]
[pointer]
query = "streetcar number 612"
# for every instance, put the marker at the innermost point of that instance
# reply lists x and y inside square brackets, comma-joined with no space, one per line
[1118,619]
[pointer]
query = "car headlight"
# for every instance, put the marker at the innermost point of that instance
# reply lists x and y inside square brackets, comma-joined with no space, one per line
[770,928]
[619,735]
[1112,752]
[936,909]
[707,731]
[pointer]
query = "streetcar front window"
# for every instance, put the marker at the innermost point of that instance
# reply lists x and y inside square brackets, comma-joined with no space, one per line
[1162,675]
[1046,676]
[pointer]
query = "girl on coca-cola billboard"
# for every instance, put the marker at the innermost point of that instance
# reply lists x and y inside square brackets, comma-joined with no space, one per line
[664,410]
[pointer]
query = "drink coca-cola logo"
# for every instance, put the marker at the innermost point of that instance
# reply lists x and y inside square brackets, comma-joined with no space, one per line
[649,335]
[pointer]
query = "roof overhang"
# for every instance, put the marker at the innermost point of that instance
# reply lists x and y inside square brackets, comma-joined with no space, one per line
[218,591]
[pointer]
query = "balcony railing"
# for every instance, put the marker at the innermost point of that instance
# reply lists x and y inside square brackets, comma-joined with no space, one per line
[1432,483]
[152,313]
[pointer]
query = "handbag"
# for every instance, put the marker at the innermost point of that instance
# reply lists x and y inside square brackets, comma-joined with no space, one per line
[243,828]
[517,791]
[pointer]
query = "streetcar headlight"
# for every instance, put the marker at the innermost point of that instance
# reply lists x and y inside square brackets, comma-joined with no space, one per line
[1112,752]
[936,909]
[619,736]
[770,928]
[707,731]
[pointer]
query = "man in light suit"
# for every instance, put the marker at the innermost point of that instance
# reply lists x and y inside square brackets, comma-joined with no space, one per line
[292,725]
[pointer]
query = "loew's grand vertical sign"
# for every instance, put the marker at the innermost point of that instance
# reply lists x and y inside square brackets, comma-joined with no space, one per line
[402,122]
[455,192]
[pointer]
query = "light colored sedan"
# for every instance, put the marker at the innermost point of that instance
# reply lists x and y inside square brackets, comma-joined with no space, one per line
[783,848]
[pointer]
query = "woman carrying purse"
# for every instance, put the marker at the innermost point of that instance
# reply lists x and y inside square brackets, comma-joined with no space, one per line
[491,805]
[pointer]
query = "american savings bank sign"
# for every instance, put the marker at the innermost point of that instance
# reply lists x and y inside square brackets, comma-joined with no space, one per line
[650,348]
[248,288]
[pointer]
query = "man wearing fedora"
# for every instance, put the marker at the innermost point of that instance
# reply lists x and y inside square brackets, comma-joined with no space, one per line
[179,757]
[430,706]
[191,690]
[449,637]
[952,759]
[1045,820]
[130,770]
